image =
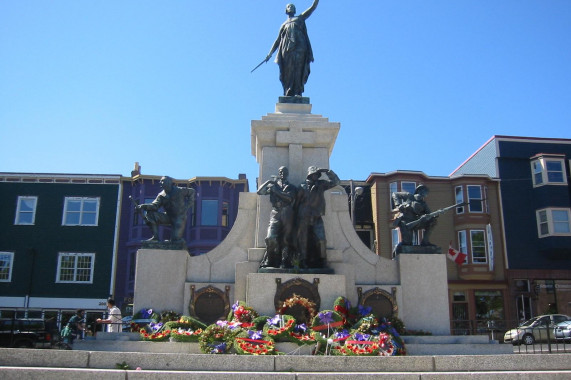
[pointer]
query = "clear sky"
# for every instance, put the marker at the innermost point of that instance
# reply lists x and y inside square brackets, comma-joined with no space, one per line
[91,86]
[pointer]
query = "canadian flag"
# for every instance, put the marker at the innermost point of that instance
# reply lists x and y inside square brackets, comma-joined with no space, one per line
[456,256]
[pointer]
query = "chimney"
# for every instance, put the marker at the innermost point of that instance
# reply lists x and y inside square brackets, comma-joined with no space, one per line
[136,170]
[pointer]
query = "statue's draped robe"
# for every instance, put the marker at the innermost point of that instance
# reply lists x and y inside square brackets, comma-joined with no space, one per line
[294,55]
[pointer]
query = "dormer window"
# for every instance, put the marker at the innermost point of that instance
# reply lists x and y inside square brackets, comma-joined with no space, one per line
[548,170]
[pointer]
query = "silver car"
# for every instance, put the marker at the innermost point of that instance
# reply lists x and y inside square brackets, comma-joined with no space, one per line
[536,329]
[562,331]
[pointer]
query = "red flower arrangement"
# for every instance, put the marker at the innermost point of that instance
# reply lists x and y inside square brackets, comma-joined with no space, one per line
[279,326]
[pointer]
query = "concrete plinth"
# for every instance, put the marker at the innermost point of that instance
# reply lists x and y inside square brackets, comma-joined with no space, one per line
[160,279]
[424,285]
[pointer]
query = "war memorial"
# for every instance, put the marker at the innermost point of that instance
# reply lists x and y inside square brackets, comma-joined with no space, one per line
[292,289]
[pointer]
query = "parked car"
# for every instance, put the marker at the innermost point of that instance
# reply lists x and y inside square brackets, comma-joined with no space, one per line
[562,331]
[536,329]
[24,333]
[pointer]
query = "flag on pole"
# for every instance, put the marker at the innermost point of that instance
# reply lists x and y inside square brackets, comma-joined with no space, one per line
[456,256]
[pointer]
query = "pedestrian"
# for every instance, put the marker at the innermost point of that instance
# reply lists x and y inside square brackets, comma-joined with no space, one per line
[114,318]
[76,325]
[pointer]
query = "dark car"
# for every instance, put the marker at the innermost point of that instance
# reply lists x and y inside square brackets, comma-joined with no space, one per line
[24,333]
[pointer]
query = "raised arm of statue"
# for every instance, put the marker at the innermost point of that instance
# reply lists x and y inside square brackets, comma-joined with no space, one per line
[265,188]
[333,178]
[310,10]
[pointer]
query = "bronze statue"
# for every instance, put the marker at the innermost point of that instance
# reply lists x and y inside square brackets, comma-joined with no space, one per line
[175,201]
[279,244]
[414,214]
[294,51]
[311,243]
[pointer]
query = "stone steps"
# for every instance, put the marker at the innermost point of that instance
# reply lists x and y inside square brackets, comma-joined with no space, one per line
[14,373]
[59,364]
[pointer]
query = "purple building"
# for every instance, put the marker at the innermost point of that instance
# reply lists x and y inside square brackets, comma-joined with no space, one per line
[209,221]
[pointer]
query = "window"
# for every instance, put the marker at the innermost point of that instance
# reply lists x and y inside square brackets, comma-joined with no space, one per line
[475,199]
[225,215]
[6,264]
[463,244]
[459,199]
[26,210]
[553,222]
[75,267]
[409,187]
[395,240]
[209,212]
[477,238]
[548,170]
[489,305]
[392,189]
[80,211]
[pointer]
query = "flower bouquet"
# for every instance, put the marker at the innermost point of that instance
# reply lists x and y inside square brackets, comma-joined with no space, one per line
[251,342]
[218,338]
[279,327]
[301,335]
[325,324]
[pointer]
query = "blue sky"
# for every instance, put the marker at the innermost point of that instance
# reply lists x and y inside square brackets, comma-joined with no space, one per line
[93,86]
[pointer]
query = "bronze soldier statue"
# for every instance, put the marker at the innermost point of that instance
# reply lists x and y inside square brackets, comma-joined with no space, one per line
[279,243]
[414,215]
[311,243]
[175,201]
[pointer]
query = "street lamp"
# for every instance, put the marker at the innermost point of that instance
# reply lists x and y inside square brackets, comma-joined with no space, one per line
[355,192]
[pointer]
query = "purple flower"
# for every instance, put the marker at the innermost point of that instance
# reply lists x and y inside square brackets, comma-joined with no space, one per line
[146,313]
[326,317]
[365,310]
[341,334]
[256,335]
[235,306]
[155,326]
[301,328]
[362,337]
[222,323]
[275,321]
[219,348]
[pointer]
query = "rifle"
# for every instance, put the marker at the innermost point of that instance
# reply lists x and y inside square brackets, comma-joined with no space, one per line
[433,214]
[137,207]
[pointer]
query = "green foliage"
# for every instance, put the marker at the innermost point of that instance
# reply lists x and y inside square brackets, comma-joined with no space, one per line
[123,366]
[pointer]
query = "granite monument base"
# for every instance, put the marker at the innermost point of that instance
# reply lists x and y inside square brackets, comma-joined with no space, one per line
[160,279]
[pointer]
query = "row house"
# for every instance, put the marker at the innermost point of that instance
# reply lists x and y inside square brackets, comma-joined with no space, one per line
[535,203]
[478,291]
[58,240]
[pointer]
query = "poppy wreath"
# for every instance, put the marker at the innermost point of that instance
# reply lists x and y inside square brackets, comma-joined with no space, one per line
[159,336]
[186,335]
[251,342]
[343,307]
[359,344]
[295,300]
[388,349]
[279,326]
[217,338]
[300,334]
[325,324]
[242,314]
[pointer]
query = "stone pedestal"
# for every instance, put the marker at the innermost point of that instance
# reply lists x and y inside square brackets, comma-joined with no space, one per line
[424,287]
[291,137]
[160,279]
